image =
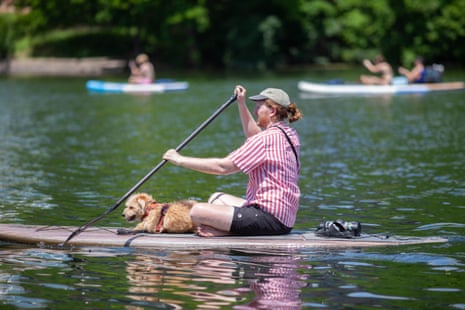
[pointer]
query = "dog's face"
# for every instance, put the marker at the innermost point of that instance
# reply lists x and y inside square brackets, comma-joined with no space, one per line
[135,206]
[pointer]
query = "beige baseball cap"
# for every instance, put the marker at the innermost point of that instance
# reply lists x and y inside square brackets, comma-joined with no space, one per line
[277,95]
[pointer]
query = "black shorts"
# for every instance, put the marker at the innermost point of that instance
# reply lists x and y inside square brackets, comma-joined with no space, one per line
[253,221]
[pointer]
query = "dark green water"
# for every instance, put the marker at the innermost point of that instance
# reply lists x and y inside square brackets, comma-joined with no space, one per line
[395,163]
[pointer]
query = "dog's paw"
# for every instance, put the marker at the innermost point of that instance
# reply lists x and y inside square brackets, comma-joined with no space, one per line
[123,231]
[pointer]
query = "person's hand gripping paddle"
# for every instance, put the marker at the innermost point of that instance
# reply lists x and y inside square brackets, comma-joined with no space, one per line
[155,169]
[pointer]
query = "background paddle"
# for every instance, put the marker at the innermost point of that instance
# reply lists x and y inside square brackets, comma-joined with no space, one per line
[155,169]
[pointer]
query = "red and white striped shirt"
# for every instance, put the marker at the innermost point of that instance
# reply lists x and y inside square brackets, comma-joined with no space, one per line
[273,170]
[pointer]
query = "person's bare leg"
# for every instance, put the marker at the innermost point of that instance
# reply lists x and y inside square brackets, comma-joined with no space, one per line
[220,198]
[212,220]
[208,231]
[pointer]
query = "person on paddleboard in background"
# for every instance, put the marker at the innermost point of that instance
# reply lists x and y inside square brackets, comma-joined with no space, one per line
[418,72]
[142,71]
[269,156]
[379,66]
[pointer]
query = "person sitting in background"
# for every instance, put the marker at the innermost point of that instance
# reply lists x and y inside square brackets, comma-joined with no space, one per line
[417,74]
[379,66]
[142,71]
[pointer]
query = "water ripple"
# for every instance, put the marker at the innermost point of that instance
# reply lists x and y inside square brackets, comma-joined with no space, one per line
[435,226]
[377,296]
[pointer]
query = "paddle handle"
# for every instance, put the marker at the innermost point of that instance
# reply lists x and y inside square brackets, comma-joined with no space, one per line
[155,169]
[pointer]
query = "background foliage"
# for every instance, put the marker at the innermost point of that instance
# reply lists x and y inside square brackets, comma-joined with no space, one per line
[254,34]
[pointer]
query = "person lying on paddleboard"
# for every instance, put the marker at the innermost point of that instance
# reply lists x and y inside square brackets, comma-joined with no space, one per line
[418,72]
[269,156]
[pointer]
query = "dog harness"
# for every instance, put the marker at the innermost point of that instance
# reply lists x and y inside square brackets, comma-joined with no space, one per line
[164,209]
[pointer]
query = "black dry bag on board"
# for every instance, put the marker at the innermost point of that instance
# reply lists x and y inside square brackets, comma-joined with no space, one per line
[339,229]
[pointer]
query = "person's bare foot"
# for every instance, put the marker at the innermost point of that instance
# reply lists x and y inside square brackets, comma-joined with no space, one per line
[208,231]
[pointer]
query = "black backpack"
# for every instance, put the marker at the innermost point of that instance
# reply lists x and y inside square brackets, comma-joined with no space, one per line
[433,74]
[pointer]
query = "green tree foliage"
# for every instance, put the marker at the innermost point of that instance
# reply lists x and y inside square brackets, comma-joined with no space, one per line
[434,29]
[7,25]
[347,30]
[255,34]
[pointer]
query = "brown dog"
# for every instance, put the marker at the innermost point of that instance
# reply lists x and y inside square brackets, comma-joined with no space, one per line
[155,217]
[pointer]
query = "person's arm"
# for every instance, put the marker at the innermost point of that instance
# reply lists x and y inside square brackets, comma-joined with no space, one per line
[147,71]
[412,75]
[367,64]
[403,70]
[133,67]
[249,125]
[370,66]
[217,166]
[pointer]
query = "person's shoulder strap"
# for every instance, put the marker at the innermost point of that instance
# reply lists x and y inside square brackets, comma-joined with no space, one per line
[290,142]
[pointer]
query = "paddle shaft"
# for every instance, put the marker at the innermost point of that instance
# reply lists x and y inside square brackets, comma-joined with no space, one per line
[155,169]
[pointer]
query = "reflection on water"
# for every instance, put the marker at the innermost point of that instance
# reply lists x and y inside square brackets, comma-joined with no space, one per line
[150,279]
[237,279]
[207,279]
[272,281]
[275,281]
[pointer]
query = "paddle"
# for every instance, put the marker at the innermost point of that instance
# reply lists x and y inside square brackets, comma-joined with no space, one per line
[155,169]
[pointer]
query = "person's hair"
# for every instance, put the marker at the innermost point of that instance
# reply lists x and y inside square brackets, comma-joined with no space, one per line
[291,113]
[379,58]
[142,58]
